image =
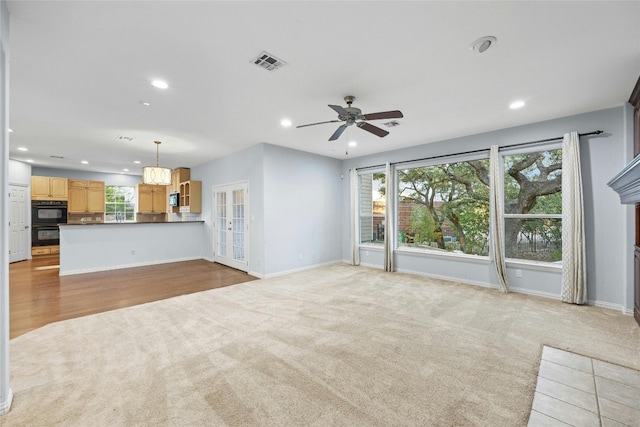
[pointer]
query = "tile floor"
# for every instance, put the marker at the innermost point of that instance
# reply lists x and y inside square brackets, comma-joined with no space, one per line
[575,390]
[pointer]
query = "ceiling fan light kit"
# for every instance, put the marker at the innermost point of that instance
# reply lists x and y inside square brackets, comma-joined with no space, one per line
[352,115]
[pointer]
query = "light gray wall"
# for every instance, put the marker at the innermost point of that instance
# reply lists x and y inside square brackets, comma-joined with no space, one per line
[19,173]
[5,390]
[102,247]
[246,165]
[608,223]
[302,197]
[108,178]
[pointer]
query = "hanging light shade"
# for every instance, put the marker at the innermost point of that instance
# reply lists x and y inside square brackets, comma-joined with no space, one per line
[155,175]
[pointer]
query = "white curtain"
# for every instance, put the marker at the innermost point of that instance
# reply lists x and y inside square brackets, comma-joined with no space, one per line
[496,227]
[389,235]
[574,266]
[355,218]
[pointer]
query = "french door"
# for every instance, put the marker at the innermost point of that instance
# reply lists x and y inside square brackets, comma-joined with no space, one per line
[231,228]
[18,223]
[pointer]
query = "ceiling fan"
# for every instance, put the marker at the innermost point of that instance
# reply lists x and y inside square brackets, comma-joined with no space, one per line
[352,115]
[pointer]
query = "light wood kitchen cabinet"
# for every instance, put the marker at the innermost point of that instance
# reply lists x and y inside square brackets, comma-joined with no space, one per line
[86,196]
[152,198]
[177,176]
[49,188]
[191,196]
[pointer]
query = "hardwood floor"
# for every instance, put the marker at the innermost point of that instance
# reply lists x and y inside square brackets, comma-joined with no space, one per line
[39,296]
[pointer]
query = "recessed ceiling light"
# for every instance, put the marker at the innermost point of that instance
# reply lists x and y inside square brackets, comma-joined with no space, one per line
[29,160]
[483,44]
[160,84]
[10,130]
[125,170]
[353,144]
[145,103]
[137,162]
[285,123]
[84,162]
[23,149]
[516,104]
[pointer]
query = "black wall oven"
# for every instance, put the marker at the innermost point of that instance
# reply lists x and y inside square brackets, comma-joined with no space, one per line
[45,217]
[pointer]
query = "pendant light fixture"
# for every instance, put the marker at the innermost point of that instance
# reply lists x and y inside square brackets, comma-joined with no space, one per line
[155,175]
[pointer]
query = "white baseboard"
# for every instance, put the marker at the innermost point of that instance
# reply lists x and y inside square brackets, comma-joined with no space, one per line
[611,306]
[525,291]
[121,266]
[6,405]
[296,270]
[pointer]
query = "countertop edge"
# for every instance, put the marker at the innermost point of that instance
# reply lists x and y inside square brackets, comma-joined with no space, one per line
[130,223]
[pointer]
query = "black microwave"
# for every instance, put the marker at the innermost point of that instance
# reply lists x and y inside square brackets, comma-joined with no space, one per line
[174,199]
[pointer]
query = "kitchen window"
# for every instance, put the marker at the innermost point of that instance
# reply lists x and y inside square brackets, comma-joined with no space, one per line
[120,204]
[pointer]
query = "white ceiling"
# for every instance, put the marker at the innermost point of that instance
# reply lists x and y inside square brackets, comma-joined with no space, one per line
[79,70]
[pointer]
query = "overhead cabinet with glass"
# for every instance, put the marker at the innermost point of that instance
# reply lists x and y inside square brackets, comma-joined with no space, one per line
[49,188]
[86,196]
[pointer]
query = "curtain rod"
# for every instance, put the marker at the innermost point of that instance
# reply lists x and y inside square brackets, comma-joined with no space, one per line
[539,141]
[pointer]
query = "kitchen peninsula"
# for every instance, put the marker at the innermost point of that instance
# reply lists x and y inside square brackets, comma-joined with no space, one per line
[87,248]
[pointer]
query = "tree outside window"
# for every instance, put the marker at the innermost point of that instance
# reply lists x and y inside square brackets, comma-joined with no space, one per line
[533,205]
[445,207]
[119,203]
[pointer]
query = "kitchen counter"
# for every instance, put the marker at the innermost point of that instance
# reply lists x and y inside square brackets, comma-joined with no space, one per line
[131,223]
[92,247]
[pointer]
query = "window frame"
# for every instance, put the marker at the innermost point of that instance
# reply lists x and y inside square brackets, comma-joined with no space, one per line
[512,151]
[134,203]
[435,161]
[369,171]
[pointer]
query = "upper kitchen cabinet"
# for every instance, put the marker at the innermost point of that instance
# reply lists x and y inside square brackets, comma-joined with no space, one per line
[86,196]
[152,198]
[177,176]
[49,188]
[191,197]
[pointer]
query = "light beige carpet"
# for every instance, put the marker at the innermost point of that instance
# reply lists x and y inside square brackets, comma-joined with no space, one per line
[338,345]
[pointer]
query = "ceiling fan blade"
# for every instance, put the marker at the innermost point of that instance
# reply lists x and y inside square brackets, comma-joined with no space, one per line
[373,129]
[319,123]
[395,114]
[338,109]
[338,132]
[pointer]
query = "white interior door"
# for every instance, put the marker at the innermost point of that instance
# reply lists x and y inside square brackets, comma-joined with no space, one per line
[18,223]
[231,228]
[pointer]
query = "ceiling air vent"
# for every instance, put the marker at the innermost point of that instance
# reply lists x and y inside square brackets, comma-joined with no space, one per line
[268,61]
[57,157]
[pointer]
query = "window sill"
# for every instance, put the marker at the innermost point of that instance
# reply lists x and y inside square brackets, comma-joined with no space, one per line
[442,254]
[534,265]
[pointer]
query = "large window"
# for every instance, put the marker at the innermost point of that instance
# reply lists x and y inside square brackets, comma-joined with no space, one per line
[372,207]
[445,207]
[533,205]
[120,204]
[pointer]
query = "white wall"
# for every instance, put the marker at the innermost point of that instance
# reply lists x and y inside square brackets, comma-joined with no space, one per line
[245,165]
[101,247]
[5,390]
[19,173]
[609,224]
[294,200]
[108,178]
[302,198]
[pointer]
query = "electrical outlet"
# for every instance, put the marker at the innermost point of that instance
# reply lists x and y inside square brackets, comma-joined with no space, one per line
[518,273]
[300,255]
